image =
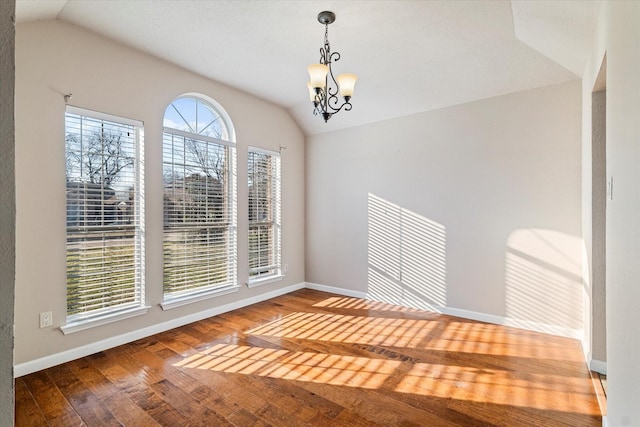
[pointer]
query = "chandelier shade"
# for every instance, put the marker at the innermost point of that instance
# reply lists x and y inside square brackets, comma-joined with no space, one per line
[346,82]
[318,75]
[323,86]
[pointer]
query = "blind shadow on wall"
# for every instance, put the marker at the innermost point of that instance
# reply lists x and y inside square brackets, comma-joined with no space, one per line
[406,257]
[543,278]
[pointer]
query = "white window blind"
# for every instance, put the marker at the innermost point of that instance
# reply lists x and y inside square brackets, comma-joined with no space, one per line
[264,213]
[104,181]
[199,202]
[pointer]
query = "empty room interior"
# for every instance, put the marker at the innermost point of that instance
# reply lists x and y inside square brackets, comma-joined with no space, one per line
[204,222]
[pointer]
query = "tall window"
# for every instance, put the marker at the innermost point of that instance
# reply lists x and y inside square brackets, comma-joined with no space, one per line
[264,214]
[104,180]
[199,202]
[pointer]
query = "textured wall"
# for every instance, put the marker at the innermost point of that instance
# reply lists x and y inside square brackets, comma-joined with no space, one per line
[7,209]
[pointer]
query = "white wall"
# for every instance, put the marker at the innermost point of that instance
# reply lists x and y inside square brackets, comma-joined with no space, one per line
[475,207]
[618,35]
[54,58]
[7,209]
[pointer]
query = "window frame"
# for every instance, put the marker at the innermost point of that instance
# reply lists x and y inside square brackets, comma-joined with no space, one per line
[187,296]
[91,318]
[275,221]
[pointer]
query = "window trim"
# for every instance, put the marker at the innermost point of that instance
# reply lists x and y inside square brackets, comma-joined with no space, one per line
[92,322]
[178,299]
[103,116]
[265,280]
[206,138]
[83,321]
[278,274]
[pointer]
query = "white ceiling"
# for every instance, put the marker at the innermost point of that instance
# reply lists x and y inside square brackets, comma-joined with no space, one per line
[410,56]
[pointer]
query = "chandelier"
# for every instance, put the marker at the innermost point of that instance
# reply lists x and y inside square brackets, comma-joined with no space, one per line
[323,86]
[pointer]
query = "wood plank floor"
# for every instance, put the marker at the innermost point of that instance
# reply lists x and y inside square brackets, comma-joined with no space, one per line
[315,359]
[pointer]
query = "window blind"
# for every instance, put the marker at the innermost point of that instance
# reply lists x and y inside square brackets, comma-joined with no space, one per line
[199,227]
[104,176]
[264,213]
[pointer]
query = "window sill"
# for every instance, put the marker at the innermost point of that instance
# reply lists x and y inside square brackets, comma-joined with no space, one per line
[264,281]
[81,325]
[188,299]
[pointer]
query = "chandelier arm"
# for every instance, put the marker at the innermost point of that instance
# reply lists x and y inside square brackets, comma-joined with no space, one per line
[345,105]
[320,103]
[333,89]
[333,101]
[328,100]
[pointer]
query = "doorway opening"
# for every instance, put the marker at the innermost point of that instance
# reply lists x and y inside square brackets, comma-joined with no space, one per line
[602,187]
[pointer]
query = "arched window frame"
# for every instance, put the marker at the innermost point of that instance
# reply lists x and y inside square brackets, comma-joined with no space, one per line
[199,247]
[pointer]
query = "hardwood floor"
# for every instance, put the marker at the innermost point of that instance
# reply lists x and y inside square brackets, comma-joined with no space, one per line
[317,359]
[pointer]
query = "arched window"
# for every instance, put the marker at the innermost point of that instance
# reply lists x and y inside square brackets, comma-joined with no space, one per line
[199,201]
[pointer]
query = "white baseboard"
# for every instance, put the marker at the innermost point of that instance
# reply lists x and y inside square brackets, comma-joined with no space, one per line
[334,290]
[598,366]
[605,421]
[467,314]
[516,323]
[86,350]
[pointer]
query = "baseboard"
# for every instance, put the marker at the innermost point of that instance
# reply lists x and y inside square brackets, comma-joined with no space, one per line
[86,350]
[467,314]
[598,366]
[598,387]
[473,315]
[516,323]
[334,290]
[605,421]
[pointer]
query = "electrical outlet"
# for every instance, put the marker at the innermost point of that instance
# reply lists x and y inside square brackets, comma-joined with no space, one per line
[286,268]
[46,319]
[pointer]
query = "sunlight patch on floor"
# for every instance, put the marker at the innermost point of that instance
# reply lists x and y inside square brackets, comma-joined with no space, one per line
[466,337]
[494,386]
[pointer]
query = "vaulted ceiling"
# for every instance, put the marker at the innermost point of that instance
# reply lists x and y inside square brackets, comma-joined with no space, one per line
[410,56]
